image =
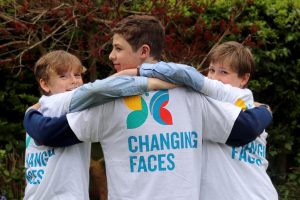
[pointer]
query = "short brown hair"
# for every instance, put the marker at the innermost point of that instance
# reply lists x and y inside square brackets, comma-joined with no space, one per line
[237,55]
[142,29]
[58,62]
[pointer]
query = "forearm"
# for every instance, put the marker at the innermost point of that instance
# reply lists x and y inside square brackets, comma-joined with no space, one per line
[48,131]
[186,75]
[175,73]
[249,125]
[106,90]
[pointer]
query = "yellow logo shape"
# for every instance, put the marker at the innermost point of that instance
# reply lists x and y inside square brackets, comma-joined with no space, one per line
[240,103]
[133,102]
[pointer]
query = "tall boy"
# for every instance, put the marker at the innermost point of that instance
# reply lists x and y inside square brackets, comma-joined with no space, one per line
[63,173]
[152,143]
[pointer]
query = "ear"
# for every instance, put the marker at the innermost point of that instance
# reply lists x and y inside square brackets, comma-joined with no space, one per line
[245,79]
[44,86]
[145,51]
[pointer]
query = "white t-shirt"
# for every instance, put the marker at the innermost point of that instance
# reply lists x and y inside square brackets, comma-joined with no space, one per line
[152,143]
[238,172]
[56,173]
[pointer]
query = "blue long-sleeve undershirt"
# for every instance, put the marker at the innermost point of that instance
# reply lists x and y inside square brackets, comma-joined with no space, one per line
[56,131]
[49,131]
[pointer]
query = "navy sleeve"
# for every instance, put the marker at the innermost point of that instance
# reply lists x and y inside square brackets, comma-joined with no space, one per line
[54,132]
[248,125]
[57,132]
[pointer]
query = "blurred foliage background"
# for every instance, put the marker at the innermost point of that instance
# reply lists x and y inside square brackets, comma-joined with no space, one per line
[30,28]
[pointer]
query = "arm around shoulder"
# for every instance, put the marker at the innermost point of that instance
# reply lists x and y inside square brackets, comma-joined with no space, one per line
[248,125]
[106,90]
[175,73]
[48,131]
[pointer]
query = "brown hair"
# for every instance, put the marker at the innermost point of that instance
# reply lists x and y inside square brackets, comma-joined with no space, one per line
[239,57]
[142,29]
[58,62]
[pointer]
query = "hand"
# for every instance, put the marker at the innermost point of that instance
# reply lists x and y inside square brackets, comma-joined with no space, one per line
[157,84]
[35,107]
[256,104]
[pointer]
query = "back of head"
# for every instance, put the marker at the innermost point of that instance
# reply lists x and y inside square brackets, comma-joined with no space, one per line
[55,62]
[237,56]
[142,29]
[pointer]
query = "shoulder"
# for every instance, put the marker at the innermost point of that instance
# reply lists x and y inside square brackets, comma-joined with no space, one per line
[239,92]
[247,91]
[54,97]
[58,103]
[184,90]
[185,94]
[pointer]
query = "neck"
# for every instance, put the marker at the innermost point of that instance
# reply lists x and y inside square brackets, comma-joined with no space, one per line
[150,60]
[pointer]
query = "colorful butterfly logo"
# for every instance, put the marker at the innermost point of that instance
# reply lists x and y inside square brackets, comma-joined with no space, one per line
[140,109]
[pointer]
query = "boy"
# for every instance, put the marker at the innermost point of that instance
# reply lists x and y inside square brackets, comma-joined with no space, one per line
[63,173]
[151,153]
[227,172]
